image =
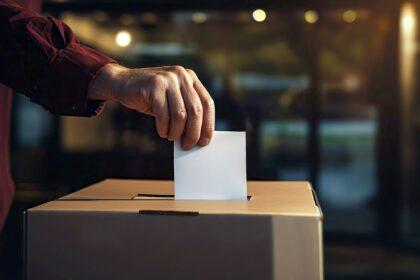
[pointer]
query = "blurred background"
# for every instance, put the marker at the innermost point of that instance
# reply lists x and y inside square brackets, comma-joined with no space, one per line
[326,89]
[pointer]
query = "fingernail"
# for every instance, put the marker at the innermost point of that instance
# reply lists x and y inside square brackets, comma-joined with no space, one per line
[186,147]
[204,142]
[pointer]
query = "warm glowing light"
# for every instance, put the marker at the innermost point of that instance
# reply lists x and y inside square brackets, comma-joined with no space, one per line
[408,80]
[408,19]
[352,82]
[259,15]
[311,16]
[349,16]
[407,48]
[123,38]
[199,17]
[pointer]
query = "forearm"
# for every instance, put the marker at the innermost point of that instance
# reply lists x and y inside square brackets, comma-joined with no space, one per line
[41,57]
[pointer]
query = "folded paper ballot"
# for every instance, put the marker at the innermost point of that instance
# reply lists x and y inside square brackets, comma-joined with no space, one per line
[214,172]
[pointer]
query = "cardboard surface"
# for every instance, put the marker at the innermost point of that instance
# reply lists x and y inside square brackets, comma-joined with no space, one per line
[104,232]
[273,198]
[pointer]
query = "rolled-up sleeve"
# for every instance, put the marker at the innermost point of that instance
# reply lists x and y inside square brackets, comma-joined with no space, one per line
[41,57]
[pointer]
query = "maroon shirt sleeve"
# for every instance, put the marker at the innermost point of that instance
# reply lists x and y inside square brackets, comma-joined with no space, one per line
[41,57]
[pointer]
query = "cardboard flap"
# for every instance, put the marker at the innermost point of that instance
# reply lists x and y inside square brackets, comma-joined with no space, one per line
[116,189]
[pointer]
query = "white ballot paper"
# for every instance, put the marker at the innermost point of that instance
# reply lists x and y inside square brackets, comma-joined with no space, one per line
[214,172]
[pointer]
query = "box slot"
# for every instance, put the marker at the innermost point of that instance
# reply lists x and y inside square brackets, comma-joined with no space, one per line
[168,213]
[141,196]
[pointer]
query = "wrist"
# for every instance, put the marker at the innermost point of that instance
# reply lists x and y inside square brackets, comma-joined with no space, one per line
[107,83]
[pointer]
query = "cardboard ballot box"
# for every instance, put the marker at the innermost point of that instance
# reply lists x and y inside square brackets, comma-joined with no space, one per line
[130,229]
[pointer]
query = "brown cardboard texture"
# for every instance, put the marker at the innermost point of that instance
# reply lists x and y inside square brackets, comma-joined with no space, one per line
[134,229]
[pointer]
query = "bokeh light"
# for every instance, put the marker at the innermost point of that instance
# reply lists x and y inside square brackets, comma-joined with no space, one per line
[311,16]
[349,16]
[199,17]
[123,38]
[259,15]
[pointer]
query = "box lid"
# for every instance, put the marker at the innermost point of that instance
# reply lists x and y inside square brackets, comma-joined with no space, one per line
[122,195]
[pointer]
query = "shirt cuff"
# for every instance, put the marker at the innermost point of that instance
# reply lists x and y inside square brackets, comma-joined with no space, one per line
[66,88]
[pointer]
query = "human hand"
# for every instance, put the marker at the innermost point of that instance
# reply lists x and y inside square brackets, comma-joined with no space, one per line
[174,96]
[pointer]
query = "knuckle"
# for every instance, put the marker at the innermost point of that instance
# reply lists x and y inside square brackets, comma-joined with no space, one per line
[180,115]
[157,81]
[178,69]
[191,72]
[208,103]
[196,110]
[180,72]
[172,76]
